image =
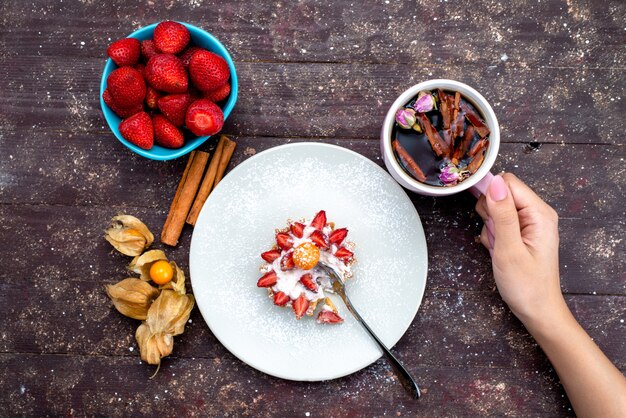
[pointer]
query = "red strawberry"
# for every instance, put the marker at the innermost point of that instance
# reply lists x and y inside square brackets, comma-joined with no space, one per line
[148,49]
[174,107]
[300,306]
[152,98]
[186,55]
[318,239]
[297,229]
[343,253]
[125,52]
[281,299]
[337,236]
[319,221]
[122,112]
[218,94]
[308,282]
[204,118]
[142,69]
[171,37]
[284,241]
[268,279]
[329,317]
[165,72]
[126,86]
[195,93]
[207,70]
[166,134]
[138,130]
[287,262]
[270,256]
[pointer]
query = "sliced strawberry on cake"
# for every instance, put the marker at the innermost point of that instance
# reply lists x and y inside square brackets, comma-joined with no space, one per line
[292,274]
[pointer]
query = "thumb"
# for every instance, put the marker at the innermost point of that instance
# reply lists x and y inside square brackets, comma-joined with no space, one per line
[502,211]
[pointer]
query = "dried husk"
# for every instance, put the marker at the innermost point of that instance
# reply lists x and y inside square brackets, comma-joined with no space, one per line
[141,264]
[153,347]
[166,318]
[128,235]
[178,281]
[132,297]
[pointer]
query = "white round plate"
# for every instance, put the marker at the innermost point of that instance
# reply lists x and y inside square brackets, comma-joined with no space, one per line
[237,224]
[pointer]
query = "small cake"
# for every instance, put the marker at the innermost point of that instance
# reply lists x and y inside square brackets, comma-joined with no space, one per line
[291,272]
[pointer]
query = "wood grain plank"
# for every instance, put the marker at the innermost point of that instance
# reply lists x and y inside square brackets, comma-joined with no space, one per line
[333,100]
[528,33]
[65,243]
[579,181]
[69,315]
[119,386]
[313,71]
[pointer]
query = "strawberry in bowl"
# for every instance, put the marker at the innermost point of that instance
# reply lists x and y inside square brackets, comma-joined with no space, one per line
[176,78]
[291,272]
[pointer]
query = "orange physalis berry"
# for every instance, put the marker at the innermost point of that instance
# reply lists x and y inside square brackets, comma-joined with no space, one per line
[306,256]
[161,272]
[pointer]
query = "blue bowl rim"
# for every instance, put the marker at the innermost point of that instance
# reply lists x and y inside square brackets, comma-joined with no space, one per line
[190,145]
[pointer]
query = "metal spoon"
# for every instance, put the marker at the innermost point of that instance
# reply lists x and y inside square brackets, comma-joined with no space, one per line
[404,376]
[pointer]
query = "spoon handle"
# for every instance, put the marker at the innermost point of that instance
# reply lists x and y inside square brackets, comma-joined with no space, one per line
[405,377]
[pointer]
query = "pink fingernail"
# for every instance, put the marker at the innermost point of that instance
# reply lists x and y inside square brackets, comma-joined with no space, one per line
[491,252]
[497,189]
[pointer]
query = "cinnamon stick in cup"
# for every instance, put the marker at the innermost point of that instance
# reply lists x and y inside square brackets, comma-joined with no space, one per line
[184,196]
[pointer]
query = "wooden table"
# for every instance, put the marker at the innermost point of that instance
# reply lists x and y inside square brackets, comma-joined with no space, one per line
[309,71]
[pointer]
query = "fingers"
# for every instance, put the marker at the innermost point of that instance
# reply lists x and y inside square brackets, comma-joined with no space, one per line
[486,238]
[503,212]
[523,195]
[481,207]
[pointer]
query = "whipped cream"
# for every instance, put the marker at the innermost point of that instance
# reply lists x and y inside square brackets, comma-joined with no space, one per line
[288,281]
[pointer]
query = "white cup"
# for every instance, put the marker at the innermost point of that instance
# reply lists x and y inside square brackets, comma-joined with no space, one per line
[479,181]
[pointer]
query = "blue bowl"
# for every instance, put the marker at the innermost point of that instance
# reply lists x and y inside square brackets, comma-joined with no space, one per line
[198,38]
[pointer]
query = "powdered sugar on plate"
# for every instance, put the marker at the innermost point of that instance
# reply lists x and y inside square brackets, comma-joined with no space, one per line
[291,182]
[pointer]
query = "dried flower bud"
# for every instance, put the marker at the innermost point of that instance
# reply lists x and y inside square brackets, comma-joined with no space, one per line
[132,297]
[129,235]
[405,117]
[141,264]
[425,102]
[451,174]
[178,281]
[166,318]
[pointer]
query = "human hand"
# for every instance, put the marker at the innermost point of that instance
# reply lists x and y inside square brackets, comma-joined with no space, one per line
[521,233]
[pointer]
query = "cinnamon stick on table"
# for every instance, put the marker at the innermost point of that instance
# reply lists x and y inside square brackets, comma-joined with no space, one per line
[229,148]
[184,196]
[207,183]
[221,157]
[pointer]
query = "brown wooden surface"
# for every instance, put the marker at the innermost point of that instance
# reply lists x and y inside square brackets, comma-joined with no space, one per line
[309,71]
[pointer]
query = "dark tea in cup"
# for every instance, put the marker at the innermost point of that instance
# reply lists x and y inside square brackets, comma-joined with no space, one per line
[439,138]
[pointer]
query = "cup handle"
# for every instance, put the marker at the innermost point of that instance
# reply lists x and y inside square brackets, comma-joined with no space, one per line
[482,186]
